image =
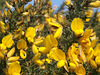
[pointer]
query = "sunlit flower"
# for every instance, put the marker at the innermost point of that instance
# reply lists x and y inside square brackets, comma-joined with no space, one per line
[93,64]
[97,60]
[68,2]
[39,27]
[34,49]
[11,52]
[95,4]
[58,33]
[14,58]
[14,69]
[55,27]
[48,60]
[38,41]
[39,62]
[77,26]
[97,50]
[2,27]
[23,54]
[18,33]
[84,40]
[57,55]
[6,42]
[37,56]
[90,56]
[89,14]
[80,70]
[49,43]
[1,56]
[30,34]
[21,44]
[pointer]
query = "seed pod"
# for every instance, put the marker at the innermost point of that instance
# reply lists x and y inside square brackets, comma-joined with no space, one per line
[11,52]
[28,6]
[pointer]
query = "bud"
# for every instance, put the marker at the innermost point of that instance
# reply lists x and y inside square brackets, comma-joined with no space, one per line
[9,13]
[7,26]
[58,33]
[31,12]
[28,6]
[14,58]
[39,41]
[2,30]
[95,4]
[4,13]
[20,22]
[25,13]
[8,5]
[17,9]
[11,52]
[22,8]
[1,56]
[28,18]
[0,14]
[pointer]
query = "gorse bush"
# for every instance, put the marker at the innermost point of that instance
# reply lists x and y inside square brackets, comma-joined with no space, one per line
[35,40]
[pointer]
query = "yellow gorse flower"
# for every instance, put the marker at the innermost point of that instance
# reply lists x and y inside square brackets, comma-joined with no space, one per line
[80,70]
[97,60]
[68,2]
[49,43]
[21,44]
[23,54]
[93,64]
[55,27]
[95,4]
[1,56]
[14,58]
[2,27]
[11,52]
[38,41]
[89,14]
[14,68]
[30,34]
[77,26]
[7,42]
[84,40]
[57,55]
[97,50]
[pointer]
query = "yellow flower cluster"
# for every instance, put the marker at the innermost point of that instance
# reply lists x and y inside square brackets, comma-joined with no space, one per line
[25,42]
[84,51]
